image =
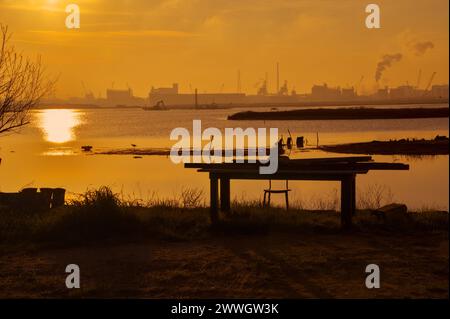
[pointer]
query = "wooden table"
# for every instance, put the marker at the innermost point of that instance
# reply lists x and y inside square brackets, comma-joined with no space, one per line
[342,169]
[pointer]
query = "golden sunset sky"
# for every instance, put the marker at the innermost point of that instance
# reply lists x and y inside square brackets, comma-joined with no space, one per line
[204,42]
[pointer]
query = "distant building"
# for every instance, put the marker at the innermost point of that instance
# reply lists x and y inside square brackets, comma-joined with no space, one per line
[119,97]
[123,98]
[323,92]
[348,94]
[440,91]
[403,92]
[202,99]
[163,91]
[172,97]
[382,94]
[262,90]
[284,89]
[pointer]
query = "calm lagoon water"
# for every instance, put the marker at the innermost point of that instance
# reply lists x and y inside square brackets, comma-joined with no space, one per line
[47,154]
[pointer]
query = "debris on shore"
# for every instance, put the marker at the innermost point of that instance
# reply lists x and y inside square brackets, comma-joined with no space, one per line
[86,148]
[436,146]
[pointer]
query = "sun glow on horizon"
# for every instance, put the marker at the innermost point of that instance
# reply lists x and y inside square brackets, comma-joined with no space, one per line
[58,125]
[205,43]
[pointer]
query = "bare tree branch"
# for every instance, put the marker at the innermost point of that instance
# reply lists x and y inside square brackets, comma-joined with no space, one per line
[22,84]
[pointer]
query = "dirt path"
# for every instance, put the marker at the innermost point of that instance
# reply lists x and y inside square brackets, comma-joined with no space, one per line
[275,266]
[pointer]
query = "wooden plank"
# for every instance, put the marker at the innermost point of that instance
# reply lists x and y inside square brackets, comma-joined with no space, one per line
[222,165]
[283,161]
[382,166]
[337,159]
[345,166]
[307,165]
[280,171]
[283,175]
[353,196]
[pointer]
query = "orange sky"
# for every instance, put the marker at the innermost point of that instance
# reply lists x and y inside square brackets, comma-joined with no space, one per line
[205,42]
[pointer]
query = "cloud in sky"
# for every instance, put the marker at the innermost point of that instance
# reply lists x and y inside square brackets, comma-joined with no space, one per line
[420,48]
[204,42]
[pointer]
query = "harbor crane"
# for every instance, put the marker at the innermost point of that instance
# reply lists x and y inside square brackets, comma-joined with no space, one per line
[87,93]
[429,83]
[358,87]
[419,77]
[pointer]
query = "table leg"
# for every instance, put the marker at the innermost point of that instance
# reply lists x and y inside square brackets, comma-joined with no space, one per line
[353,193]
[287,200]
[264,202]
[347,200]
[214,197]
[225,194]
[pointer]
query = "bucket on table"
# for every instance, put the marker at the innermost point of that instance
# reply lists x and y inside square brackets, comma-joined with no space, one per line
[58,197]
[300,142]
[46,198]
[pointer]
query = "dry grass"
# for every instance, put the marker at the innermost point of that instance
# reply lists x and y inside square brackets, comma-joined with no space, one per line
[374,196]
[100,214]
[168,249]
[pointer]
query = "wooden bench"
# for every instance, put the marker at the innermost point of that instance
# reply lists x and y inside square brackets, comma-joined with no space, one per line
[342,169]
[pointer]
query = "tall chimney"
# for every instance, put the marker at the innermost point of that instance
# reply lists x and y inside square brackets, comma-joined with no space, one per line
[196,98]
[278,78]
[239,81]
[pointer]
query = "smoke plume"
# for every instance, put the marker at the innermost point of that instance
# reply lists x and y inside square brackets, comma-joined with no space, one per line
[386,62]
[421,47]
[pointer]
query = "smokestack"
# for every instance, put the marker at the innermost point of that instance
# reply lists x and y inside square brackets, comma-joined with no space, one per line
[196,98]
[385,63]
[239,81]
[419,77]
[278,77]
[267,82]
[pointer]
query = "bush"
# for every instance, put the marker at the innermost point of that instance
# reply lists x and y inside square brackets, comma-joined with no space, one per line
[98,214]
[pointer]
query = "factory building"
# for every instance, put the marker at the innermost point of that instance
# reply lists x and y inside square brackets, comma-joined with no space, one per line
[171,96]
[440,91]
[348,94]
[324,92]
[122,98]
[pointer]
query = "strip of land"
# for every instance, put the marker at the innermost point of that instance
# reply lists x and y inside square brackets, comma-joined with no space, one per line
[134,151]
[344,114]
[437,146]
[166,152]
[268,103]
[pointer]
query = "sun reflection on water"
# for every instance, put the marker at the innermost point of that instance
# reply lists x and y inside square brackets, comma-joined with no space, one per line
[58,126]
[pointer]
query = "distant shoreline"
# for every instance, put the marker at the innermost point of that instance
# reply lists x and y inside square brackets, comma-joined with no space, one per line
[437,146]
[302,104]
[344,114]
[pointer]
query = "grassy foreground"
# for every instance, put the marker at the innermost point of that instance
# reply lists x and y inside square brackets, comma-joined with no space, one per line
[169,249]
